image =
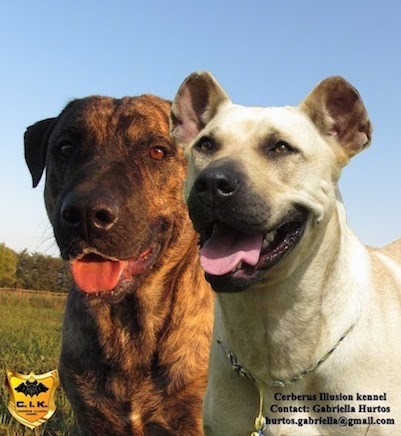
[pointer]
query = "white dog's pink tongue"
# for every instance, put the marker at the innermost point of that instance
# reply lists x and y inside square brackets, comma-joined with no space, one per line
[223,251]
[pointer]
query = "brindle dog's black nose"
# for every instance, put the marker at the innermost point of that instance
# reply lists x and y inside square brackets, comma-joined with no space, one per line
[217,183]
[84,215]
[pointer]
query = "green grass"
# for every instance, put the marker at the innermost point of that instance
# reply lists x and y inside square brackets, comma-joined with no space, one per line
[30,340]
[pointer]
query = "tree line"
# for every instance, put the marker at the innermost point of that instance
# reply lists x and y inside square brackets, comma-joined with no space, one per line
[34,271]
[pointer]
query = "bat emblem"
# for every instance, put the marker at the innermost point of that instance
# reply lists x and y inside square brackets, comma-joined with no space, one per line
[31,388]
[22,404]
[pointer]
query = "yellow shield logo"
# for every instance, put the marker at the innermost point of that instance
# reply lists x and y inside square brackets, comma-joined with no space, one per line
[32,396]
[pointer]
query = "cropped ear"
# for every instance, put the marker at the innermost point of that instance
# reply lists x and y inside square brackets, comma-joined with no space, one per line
[195,104]
[35,142]
[337,110]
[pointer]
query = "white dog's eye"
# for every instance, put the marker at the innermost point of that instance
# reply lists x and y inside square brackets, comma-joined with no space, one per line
[205,145]
[282,147]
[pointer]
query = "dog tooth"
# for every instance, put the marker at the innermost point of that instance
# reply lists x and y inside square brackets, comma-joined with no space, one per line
[239,266]
[269,237]
[265,243]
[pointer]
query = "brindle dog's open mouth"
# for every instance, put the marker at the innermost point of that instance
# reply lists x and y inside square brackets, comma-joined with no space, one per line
[228,253]
[99,275]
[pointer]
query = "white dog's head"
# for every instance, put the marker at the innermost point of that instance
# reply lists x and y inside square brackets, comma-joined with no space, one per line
[260,179]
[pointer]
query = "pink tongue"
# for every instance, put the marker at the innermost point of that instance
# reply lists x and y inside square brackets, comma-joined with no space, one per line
[97,276]
[225,249]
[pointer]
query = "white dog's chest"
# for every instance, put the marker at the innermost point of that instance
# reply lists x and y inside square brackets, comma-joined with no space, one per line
[309,418]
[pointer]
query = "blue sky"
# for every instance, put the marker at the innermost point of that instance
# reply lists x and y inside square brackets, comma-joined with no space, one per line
[264,53]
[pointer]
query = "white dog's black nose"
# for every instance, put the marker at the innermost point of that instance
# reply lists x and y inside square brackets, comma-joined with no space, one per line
[85,215]
[217,183]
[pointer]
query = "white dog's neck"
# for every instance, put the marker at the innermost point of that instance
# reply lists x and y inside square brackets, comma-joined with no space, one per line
[305,315]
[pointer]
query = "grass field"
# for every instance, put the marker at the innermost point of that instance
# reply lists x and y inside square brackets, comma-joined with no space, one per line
[30,340]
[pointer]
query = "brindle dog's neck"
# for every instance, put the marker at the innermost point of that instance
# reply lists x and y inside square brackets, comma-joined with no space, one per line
[128,333]
[133,362]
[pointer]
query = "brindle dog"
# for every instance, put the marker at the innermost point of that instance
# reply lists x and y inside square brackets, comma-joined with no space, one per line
[138,320]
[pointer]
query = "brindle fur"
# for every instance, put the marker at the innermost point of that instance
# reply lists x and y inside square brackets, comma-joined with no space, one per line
[135,364]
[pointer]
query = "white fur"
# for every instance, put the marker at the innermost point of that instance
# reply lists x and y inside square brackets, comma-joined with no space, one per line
[329,284]
[307,302]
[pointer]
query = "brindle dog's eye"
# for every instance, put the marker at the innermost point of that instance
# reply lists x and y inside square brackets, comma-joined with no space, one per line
[66,149]
[158,152]
[282,147]
[205,145]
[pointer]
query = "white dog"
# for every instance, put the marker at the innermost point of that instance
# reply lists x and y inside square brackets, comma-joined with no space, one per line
[308,315]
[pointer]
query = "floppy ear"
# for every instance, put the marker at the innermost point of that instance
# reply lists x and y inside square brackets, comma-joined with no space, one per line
[195,104]
[337,110]
[35,141]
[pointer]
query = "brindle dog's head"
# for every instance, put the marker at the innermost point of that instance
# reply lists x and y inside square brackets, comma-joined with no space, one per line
[262,182]
[113,188]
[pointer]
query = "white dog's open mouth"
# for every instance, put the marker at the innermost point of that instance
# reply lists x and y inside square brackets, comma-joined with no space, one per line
[229,251]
